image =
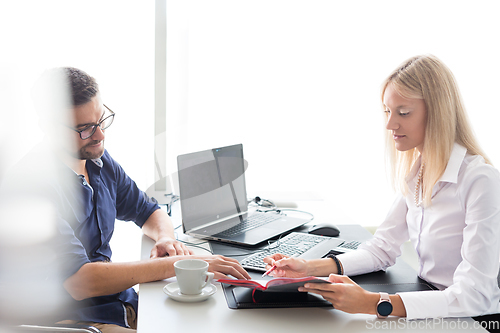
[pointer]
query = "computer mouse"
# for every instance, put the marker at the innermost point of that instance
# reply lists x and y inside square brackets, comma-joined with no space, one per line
[324,229]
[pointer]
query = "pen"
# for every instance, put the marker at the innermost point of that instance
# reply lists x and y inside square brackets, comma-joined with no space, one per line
[274,266]
[269,270]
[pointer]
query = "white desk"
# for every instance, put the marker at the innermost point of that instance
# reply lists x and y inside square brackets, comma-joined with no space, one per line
[159,313]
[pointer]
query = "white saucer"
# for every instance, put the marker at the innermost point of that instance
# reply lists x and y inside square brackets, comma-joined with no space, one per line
[173,291]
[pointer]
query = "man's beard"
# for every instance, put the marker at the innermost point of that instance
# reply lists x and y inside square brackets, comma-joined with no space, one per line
[83,154]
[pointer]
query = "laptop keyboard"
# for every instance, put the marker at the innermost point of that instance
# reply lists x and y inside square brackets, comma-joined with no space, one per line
[294,244]
[252,221]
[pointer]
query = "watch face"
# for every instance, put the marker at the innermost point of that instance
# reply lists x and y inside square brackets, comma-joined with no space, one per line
[384,308]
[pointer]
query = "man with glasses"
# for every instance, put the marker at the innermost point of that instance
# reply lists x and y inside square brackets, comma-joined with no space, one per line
[87,207]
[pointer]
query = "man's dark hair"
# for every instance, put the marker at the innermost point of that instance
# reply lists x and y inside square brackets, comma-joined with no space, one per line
[83,86]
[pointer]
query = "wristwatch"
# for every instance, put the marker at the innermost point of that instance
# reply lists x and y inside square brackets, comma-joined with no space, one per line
[384,306]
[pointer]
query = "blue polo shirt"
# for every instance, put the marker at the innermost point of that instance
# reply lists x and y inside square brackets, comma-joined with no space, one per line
[87,214]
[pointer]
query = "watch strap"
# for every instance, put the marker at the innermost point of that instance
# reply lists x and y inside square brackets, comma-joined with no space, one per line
[384,298]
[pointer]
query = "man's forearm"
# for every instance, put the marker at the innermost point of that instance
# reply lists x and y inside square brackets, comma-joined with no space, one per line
[158,225]
[105,278]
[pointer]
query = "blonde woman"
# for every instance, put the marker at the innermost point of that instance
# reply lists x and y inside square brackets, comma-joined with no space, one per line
[448,206]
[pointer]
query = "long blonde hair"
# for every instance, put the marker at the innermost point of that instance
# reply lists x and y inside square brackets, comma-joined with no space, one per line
[426,77]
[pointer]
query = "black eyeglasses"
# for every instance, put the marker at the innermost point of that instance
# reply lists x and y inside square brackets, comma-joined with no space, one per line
[88,131]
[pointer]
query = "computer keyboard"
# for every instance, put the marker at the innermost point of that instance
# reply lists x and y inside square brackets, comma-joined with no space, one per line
[347,247]
[298,245]
[253,221]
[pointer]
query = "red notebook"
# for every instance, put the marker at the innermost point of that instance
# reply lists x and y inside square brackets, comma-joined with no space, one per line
[274,285]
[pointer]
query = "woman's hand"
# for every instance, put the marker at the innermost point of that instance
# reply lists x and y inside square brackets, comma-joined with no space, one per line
[345,294]
[167,246]
[286,266]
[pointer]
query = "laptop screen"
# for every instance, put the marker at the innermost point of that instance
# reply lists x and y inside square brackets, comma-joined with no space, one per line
[212,188]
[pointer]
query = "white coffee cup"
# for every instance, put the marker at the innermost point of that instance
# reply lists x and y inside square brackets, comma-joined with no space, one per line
[192,275]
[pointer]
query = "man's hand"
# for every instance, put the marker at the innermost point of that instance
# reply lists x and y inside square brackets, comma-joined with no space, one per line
[223,266]
[167,246]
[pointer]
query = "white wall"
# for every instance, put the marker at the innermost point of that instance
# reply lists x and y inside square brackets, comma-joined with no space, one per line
[297,82]
[111,40]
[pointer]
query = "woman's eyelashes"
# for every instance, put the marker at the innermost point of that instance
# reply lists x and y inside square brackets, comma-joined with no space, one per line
[400,112]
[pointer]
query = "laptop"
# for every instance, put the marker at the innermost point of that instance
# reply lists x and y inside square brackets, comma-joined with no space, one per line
[214,202]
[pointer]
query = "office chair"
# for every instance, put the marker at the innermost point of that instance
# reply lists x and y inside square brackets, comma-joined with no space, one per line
[56,328]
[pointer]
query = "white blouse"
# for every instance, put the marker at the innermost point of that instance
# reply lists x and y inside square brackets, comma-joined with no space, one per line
[457,240]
